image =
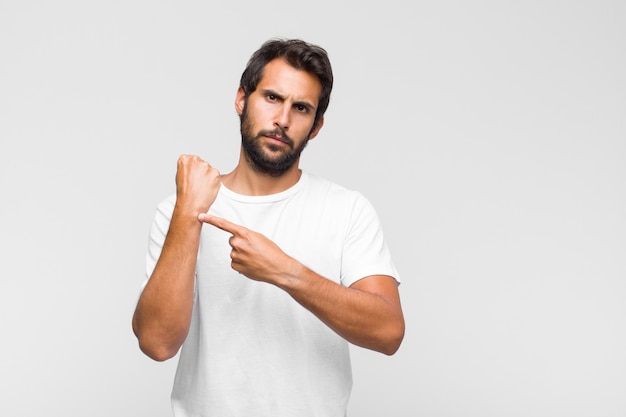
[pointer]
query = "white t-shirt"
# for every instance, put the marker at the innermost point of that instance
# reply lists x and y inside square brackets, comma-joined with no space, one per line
[252,350]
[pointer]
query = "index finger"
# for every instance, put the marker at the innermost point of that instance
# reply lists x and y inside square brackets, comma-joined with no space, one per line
[221,223]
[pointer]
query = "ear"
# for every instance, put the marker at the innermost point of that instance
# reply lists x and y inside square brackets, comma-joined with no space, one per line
[240,100]
[317,129]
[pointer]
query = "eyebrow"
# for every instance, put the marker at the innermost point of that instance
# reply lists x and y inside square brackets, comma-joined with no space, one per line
[268,92]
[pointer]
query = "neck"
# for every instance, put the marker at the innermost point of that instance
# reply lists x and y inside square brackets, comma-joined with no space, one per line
[246,180]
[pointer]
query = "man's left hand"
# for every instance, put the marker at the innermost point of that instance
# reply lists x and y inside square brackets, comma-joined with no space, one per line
[253,254]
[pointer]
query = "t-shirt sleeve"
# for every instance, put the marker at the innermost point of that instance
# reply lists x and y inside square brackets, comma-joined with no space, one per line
[365,250]
[158,231]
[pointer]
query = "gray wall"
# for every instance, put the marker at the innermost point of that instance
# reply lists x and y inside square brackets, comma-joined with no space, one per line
[489,135]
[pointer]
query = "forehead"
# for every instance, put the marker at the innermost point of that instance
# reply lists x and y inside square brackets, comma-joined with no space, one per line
[288,81]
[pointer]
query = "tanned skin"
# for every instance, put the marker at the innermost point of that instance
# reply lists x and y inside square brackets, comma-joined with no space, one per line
[367,314]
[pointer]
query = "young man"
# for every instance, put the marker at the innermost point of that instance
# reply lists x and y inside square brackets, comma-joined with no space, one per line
[264,275]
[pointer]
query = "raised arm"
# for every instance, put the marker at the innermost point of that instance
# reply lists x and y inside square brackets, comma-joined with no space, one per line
[367,314]
[163,313]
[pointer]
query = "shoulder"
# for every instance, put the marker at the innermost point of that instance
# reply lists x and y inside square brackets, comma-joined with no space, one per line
[338,201]
[336,193]
[318,185]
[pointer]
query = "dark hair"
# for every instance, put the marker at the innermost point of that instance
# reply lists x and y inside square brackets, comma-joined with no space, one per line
[300,55]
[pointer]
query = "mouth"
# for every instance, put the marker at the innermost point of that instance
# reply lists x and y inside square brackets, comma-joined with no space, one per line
[277,138]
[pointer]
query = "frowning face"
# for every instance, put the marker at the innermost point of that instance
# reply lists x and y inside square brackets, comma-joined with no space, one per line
[277,118]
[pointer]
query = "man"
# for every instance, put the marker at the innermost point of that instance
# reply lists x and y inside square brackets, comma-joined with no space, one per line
[287,269]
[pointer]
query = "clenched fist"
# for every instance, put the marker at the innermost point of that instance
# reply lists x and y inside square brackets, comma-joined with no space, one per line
[197,184]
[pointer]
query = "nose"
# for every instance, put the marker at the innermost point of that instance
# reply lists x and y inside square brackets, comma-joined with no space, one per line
[282,118]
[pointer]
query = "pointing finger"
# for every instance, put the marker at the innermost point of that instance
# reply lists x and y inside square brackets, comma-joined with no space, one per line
[221,223]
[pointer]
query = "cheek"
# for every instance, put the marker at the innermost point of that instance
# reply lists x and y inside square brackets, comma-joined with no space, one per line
[260,113]
[305,128]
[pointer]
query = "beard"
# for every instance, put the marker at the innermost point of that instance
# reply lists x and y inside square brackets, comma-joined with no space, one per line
[273,161]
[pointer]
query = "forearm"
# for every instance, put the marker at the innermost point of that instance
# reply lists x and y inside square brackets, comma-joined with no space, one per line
[368,314]
[163,314]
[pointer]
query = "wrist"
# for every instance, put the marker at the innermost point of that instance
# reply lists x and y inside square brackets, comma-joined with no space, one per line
[186,215]
[292,275]
[190,205]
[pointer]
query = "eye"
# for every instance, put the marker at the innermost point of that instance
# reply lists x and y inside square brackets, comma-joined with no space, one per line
[272,97]
[301,108]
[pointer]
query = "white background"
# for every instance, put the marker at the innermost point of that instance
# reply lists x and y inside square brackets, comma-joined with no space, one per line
[491,137]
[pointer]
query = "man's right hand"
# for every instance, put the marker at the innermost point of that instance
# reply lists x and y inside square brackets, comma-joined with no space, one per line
[163,314]
[197,184]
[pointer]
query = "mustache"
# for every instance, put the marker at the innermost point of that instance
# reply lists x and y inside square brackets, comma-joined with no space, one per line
[277,132]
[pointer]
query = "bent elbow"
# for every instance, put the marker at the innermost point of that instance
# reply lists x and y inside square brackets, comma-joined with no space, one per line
[156,344]
[159,353]
[394,339]
[154,348]
[391,348]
